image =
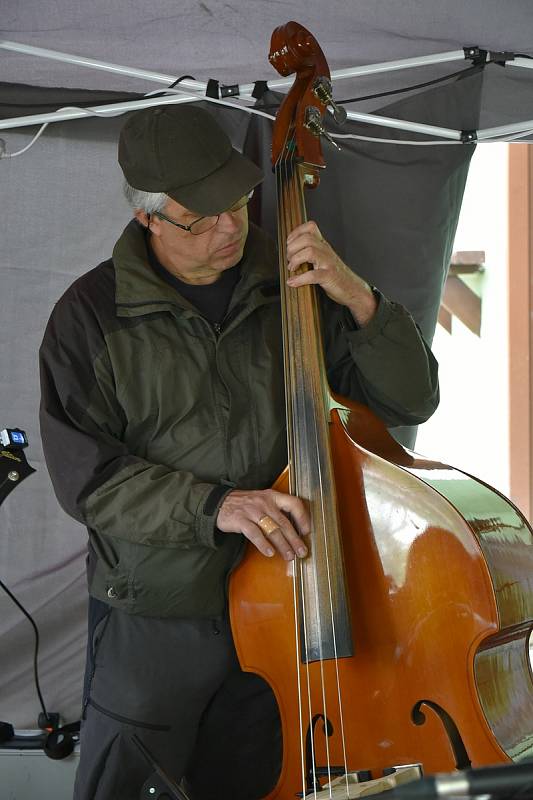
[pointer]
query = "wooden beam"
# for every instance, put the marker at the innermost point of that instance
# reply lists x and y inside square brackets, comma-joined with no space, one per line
[445,319]
[458,299]
[468,257]
[520,275]
[465,269]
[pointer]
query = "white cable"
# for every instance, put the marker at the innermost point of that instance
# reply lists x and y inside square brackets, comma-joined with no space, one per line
[519,136]
[437,142]
[359,137]
[392,141]
[96,113]
[508,138]
[4,154]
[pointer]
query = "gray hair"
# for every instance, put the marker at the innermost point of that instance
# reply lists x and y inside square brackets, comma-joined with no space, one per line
[146,201]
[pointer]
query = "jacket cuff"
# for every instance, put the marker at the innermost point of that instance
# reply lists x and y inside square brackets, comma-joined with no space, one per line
[208,513]
[359,335]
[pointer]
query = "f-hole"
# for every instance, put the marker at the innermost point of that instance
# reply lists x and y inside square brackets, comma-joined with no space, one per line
[312,771]
[460,754]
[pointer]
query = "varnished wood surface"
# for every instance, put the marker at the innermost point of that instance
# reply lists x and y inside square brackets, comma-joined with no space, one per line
[422,605]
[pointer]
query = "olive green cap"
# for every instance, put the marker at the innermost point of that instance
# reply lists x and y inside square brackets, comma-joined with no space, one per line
[181,150]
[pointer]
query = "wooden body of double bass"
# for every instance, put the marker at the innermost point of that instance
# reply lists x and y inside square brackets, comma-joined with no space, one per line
[439,574]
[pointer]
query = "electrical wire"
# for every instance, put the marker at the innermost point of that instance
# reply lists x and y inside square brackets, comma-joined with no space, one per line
[394,141]
[4,154]
[460,74]
[36,649]
[94,112]
[262,112]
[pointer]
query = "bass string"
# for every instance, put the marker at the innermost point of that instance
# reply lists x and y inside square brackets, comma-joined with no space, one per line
[289,183]
[302,309]
[310,313]
[289,393]
[298,576]
[295,303]
[320,390]
[300,612]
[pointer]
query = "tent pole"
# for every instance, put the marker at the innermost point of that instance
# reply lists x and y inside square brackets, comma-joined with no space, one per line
[245,93]
[81,61]
[506,130]
[244,89]
[526,63]
[115,109]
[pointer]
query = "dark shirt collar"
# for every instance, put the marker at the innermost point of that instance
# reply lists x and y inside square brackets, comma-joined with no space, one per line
[210,299]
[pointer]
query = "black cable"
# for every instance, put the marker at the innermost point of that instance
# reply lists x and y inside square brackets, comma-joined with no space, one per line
[172,85]
[459,74]
[78,103]
[462,72]
[84,103]
[36,650]
[180,79]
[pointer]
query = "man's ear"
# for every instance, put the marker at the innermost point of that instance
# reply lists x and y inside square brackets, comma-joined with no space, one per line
[149,221]
[142,217]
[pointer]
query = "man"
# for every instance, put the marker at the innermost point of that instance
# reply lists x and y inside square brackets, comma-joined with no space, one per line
[163,427]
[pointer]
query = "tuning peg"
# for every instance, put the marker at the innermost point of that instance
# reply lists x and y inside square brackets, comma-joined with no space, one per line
[313,122]
[323,90]
[339,113]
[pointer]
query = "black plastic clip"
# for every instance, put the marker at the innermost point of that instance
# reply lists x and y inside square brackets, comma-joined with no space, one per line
[230,91]
[260,88]
[500,58]
[216,91]
[212,89]
[476,54]
[469,137]
[7,732]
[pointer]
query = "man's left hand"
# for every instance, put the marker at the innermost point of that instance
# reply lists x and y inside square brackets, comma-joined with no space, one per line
[306,245]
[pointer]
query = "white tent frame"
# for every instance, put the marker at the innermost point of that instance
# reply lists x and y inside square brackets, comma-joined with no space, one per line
[243,92]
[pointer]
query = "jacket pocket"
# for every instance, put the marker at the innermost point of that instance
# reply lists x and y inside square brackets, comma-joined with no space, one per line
[96,634]
[126,720]
[113,585]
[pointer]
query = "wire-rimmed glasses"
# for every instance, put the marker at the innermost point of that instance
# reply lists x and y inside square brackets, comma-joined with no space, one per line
[204,224]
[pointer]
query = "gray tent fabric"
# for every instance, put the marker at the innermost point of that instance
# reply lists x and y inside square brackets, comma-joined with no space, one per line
[21,99]
[390,210]
[61,209]
[229,41]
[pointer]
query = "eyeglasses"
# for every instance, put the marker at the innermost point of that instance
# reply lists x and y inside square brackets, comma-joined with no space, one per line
[204,224]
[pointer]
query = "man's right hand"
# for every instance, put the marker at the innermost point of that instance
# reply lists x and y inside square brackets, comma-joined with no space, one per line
[253,513]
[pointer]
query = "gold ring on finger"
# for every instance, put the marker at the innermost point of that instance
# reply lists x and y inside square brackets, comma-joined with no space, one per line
[267,525]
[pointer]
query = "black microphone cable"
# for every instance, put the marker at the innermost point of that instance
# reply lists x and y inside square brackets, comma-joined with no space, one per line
[47,719]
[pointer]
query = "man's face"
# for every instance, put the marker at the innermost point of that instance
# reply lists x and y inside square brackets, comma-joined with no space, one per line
[198,258]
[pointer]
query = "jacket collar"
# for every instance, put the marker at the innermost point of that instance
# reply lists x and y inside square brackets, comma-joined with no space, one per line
[139,290]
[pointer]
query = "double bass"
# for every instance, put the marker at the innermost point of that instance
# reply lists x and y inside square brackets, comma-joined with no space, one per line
[405,636]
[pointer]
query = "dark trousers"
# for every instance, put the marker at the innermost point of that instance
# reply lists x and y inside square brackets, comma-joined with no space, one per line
[177,685]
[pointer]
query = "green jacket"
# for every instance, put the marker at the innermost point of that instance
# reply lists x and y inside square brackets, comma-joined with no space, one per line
[148,417]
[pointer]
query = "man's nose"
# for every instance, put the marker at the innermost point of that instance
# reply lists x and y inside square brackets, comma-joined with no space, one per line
[229,221]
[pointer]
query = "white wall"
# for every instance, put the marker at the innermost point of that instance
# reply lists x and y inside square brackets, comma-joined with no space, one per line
[470,428]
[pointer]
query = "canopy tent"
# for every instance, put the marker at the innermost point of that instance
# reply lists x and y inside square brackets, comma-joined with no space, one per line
[389,209]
